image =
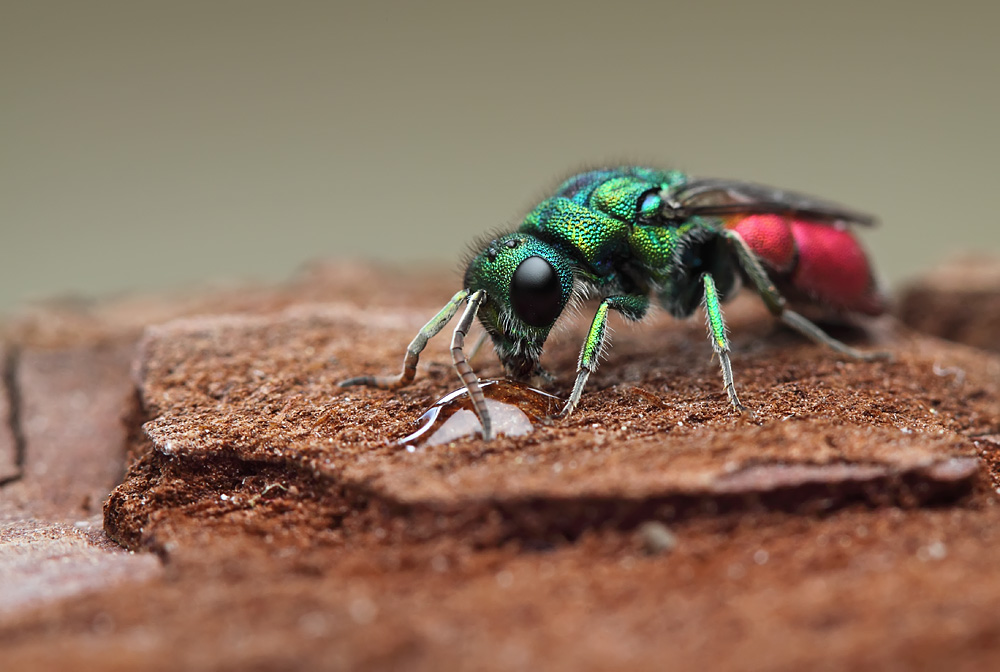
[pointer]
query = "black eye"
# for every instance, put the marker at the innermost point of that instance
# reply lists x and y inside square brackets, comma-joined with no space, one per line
[535,293]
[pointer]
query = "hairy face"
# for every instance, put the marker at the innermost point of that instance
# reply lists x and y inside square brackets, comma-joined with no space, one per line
[528,284]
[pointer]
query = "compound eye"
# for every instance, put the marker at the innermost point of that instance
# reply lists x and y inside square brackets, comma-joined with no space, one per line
[535,292]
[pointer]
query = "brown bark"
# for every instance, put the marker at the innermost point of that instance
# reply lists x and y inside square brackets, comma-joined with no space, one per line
[852,523]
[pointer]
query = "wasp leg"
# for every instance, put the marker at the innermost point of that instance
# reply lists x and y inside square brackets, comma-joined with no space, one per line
[776,303]
[810,330]
[720,342]
[465,371]
[633,307]
[436,324]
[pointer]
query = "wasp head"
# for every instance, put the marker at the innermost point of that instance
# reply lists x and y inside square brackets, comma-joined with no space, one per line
[528,284]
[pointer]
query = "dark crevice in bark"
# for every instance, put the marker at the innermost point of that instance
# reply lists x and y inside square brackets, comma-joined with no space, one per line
[10,366]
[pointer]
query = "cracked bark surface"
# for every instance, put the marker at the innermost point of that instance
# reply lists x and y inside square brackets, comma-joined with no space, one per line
[11,443]
[68,412]
[65,435]
[851,524]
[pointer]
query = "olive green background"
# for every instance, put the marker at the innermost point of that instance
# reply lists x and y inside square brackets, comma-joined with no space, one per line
[149,145]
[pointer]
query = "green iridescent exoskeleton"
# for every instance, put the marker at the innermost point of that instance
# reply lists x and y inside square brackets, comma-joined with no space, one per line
[623,236]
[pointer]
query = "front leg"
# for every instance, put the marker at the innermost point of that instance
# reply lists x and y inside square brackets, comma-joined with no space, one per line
[633,307]
[405,377]
[462,366]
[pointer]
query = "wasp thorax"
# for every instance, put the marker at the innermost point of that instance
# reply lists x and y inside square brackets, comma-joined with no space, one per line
[535,292]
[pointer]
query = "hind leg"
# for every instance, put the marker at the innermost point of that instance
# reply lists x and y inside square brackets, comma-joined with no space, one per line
[776,303]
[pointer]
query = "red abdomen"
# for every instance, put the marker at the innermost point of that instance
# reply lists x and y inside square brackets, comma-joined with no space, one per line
[821,261]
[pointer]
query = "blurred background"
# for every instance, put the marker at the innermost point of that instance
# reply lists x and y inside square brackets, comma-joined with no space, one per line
[149,145]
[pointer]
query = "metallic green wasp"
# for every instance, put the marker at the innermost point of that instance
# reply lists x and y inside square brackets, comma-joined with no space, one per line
[626,234]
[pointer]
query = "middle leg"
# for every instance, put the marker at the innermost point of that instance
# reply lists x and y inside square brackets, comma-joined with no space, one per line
[720,342]
[632,306]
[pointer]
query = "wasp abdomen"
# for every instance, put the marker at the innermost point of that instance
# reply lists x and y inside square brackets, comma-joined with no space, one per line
[823,262]
[770,237]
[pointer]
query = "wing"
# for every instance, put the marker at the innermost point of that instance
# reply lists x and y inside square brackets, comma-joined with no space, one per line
[727,198]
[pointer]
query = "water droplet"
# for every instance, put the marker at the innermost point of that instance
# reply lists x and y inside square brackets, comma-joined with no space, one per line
[514,409]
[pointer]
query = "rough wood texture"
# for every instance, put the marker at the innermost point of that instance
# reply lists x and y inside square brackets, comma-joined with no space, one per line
[852,524]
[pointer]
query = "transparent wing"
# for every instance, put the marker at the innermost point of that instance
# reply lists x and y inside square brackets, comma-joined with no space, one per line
[725,198]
